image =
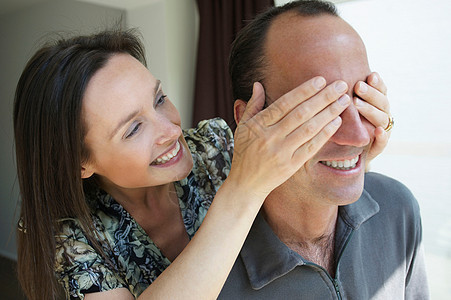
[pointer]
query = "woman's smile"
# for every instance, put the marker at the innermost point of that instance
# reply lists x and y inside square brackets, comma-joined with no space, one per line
[154,151]
[169,156]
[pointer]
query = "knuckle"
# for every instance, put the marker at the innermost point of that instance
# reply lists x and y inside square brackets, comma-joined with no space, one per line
[254,125]
[309,128]
[310,148]
[272,113]
[265,119]
[282,106]
[301,112]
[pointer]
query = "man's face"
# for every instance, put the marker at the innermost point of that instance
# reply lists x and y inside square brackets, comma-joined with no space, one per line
[297,49]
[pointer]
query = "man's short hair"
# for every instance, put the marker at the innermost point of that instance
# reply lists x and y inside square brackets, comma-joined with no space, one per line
[247,61]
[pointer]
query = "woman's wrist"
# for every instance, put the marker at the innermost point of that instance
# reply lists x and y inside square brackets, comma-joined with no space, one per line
[240,198]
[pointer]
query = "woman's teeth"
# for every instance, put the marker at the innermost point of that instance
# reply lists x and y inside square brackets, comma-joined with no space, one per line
[342,164]
[168,156]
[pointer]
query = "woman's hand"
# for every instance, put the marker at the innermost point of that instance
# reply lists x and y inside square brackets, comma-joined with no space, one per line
[376,109]
[272,144]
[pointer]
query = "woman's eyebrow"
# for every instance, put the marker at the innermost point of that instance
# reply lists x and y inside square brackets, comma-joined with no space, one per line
[134,113]
[124,121]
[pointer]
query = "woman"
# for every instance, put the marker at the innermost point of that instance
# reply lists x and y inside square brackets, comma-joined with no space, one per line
[113,192]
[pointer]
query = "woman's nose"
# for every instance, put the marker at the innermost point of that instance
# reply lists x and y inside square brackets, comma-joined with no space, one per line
[167,131]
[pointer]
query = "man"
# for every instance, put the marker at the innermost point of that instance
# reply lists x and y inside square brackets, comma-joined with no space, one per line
[331,231]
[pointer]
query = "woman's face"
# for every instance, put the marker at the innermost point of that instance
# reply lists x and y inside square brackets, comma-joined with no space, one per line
[133,130]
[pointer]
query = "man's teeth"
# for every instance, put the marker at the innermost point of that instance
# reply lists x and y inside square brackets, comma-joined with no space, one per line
[168,156]
[342,164]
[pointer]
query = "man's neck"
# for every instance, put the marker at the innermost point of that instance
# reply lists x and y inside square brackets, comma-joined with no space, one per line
[304,225]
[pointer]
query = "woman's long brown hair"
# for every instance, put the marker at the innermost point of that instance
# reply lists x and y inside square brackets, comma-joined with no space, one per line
[49,141]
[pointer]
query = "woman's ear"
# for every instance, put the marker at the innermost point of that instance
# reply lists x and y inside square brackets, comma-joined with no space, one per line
[238,109]
[86,171]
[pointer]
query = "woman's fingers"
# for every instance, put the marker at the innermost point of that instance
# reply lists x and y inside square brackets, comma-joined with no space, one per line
[308,149]
[287,133]
[376,116]
[373,103]
[308,138]
[376,81]
[374,91]
[372,95]
[282,106]
[374,106]
[293,120]
[304,112]
[313,126]
[291,110]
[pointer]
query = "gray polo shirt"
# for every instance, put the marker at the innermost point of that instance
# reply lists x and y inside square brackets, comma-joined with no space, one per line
[378,254]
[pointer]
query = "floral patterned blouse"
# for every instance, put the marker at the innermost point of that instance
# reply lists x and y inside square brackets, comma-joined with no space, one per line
[134,260]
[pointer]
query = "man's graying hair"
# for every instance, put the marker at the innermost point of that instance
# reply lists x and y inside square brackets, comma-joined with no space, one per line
[247,60]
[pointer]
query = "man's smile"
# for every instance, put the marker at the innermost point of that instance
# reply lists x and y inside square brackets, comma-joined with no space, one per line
[347,164]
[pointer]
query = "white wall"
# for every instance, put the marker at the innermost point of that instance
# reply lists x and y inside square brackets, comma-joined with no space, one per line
[20,32]
[409,43]
[170,31]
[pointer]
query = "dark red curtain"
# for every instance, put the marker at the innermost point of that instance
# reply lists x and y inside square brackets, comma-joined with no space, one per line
[220,20]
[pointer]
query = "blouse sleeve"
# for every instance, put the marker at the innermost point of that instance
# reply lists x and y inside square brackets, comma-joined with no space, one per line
[79,267]
[211,144]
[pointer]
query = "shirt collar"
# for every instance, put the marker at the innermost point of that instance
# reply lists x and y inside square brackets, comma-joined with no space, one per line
[267,258]
[357,213]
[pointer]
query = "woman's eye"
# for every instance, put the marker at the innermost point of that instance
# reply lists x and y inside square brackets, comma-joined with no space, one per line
[133,131]
[160,100]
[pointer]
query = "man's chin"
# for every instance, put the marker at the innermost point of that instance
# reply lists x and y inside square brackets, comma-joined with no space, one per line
[346,195]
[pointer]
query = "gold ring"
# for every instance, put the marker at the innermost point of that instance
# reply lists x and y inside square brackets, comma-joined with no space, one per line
[391,122]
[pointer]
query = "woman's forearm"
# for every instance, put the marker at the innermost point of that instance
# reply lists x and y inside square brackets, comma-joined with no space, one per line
[201,269]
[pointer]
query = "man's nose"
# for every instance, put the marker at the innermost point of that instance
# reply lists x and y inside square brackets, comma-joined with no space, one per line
[352,131]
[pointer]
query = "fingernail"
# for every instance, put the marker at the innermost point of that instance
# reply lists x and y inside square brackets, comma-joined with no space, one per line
[341,86]
[254,87]
[336,121]
[319,82]
[344,100]
[375,80]
[363,88]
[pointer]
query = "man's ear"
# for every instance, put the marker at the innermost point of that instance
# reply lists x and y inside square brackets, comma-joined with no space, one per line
[238,109]
[86,171]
